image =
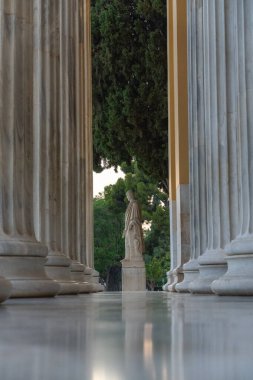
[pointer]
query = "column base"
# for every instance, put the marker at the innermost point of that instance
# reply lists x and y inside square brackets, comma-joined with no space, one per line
[191,272]
[67,286]
[85,288]
[5,289]
[133,275]
[97,287]
[87,277]
[207,274]
[27,276]
[91,277]
[169,281]
[77,275]
[212,265]
[178,277]
[238,280]
[58,268]
[34,288]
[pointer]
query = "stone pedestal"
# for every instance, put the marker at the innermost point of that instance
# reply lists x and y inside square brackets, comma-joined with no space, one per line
[133,275]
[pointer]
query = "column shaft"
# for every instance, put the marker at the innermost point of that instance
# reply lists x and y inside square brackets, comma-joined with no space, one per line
[75,186]
[197,146]
[88,153]
[178,106]
[171,150]
[239,278]
[211,129]
[22,257]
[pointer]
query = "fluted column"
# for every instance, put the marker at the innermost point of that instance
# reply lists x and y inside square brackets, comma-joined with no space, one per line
[171,152]
[196,147]
[76,193]
[88,162]
[47,107]
[239,278]
[88,253]
[22,257]
[5,286]
[82,142]
[210,127]
[178,139]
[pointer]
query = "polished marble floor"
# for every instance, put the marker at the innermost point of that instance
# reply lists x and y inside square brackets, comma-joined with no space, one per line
[130,336]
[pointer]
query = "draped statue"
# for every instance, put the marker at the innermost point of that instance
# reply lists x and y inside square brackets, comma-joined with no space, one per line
[134,242]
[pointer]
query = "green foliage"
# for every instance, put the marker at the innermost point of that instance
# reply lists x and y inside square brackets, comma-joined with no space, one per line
[157,243]
[130,85]
[157,238]
[109,211]
[155,271]
[108,242]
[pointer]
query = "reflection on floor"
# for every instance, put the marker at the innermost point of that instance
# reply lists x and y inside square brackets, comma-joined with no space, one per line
[115,336]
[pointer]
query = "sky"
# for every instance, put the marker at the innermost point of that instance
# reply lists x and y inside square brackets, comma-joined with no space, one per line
[107,177]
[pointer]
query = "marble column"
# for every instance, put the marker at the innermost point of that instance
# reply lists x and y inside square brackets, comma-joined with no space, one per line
[209,128]
[87,254]
[178,140]
[47,106]
[22,257]
[182,235]
[5,285]
[173,245]
[238,279]
[171,151]
[84,80]
[75,142]
[197,150]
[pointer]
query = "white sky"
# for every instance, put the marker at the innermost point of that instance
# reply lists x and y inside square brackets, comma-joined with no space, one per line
[107,177]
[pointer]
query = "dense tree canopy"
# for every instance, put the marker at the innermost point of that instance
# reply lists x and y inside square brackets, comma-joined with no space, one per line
[129,84]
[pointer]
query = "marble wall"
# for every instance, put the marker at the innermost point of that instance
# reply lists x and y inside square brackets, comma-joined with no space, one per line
[45,148]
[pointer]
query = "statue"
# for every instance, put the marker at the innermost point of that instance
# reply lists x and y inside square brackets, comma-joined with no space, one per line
[133,234]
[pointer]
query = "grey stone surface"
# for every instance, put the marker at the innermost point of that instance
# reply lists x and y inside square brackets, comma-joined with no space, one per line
[127,336]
